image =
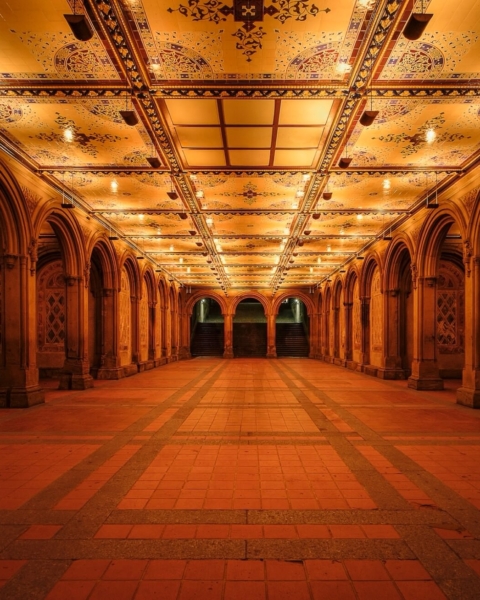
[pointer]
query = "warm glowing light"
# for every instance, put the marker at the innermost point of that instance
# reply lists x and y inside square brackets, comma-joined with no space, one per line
[180,260]
[199,194]
[306,177]
[286,230]
[68,135]
[141,217]
[342,68]
[319,260]
[386,184]
[114,185]
[171,248]
[295,205]
[430,136]
[359,216]
[209,221]
[188,269]
[329,248]
[311,269]
[300,194]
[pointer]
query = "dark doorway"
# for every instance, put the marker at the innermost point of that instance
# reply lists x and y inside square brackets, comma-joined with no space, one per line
[250,329]
[206,329]
[292,328]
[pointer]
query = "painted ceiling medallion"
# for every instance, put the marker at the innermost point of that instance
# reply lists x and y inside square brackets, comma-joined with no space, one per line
[248,12]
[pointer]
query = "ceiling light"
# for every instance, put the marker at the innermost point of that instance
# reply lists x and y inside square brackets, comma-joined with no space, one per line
[192,232]
[141,217]
[416,25]
[359,216]
[306,177]
[316,216]
[183,216]
[319,260]
[188,269]
[307,232]
[130,117]
[199,194]
[79,26]
[209,221]
[114,186]
[300,194]
[329,248]
[311,269]
[386,184]
[344,162]
[68,135]
[430,136]
[180,260]
[153,161]
[368,117]
[171,248]
[286,230]
[295,205]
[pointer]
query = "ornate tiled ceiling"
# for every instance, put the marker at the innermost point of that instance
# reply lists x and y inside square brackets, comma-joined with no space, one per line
[248,108]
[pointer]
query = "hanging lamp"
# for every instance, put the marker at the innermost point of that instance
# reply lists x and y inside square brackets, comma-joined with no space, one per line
[416,25]
[79,26]
[129,115]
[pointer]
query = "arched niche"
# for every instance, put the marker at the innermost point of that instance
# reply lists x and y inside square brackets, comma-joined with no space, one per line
[206,328]
[250,328]
[292,328]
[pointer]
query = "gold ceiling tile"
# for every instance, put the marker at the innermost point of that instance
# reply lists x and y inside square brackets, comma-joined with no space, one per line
[299,137]
[189,112]
[249,158]
[205,158]
[305,112]
[249,137]
[248,112]
[294,158]
[200,137]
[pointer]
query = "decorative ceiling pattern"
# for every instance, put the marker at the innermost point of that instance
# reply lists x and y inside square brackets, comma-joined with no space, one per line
[230,175]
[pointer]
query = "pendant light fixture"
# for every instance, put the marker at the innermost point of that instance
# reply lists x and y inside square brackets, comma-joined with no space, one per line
[327,195]
[153,160]
[172,194]
[416,25]
[79,26]
[432,203]
[65,204]
[129,115]
[369,116]
[345,161]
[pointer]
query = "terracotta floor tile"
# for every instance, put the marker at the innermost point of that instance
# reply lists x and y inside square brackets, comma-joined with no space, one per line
[409,570]
[200,590]
[125,570]
[205,569]
[73,590]
[367,590]
[288,590]
[366,570]
[241,590]
[40,532]
[420,590]
[157,590]
[86,569]
[120,590]
[334,590]
[325,570]
[280,570]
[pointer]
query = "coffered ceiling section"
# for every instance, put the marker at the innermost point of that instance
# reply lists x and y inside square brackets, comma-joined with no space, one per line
[249,133]
[241,111]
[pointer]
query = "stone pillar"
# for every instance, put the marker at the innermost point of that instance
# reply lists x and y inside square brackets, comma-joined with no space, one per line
[136,357]
[75,374]
[425,373]
[365,333]
[323,322]
[336,333]
[313,335]
[348,306]
[271,334]
[392,368]
[228,335]
[110,361]
[469,393]
[184,351]
[152,332]
[19,387]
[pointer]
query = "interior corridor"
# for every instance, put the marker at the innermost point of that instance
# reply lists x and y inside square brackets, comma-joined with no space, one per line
[244,479]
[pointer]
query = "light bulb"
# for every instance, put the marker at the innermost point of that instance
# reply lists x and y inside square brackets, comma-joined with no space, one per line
[359,216]
[430,136]
[68,135]
[386,184]
[114,186]
[141,217]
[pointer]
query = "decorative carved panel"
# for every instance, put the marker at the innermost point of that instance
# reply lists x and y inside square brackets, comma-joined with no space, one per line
[144,322]
[125,319]
[376,313]
[450,309]
[356,321]
[51,308]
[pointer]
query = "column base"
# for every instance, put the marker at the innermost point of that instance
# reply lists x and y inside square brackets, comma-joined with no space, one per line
[370,370]
[352,365]
[129,370]
[383,373]
[70,381]
[21,397]
[228,353]
[417,383]
[114,373]
[468,397]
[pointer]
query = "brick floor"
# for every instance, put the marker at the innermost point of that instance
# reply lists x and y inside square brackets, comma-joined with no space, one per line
[287,479]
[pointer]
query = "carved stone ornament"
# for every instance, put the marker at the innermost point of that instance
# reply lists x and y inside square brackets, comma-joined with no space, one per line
[467,257]
[413,268]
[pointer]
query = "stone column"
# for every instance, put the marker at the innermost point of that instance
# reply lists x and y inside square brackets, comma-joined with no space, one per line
[75,374]
[392,368]
[348,306]
[19,387]
[136,357]
[271,334]
[228,335]
[469,393]
[365,334]
[313,335]
[425,373]
[336,333]
[110,367]
[184,351]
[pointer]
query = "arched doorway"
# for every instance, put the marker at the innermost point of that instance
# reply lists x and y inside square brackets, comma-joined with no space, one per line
[292,328]
[250,329]
[206,328]
[51,306]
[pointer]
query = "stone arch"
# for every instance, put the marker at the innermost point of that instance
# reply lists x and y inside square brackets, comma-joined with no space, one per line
[351,279]
[16,230]
[372,312]
[305,298]
[473,232]
[127,315]
[252,294]
[194,298]
[164,321]
[338,299]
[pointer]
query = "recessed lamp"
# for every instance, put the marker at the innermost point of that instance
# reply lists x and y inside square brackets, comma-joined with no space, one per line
[153,161]
[359,216]
[430,136]
[188,269]
[306,177]
[130,117]
[329,248]
[386,184]
[311,269]
[141,216]
[300,194]
[209,221]
[199,194]
[295,205]
[171,248]
[416,25]
[319,260]
[79,26]
[114,186]
[180,260]
[68,135]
